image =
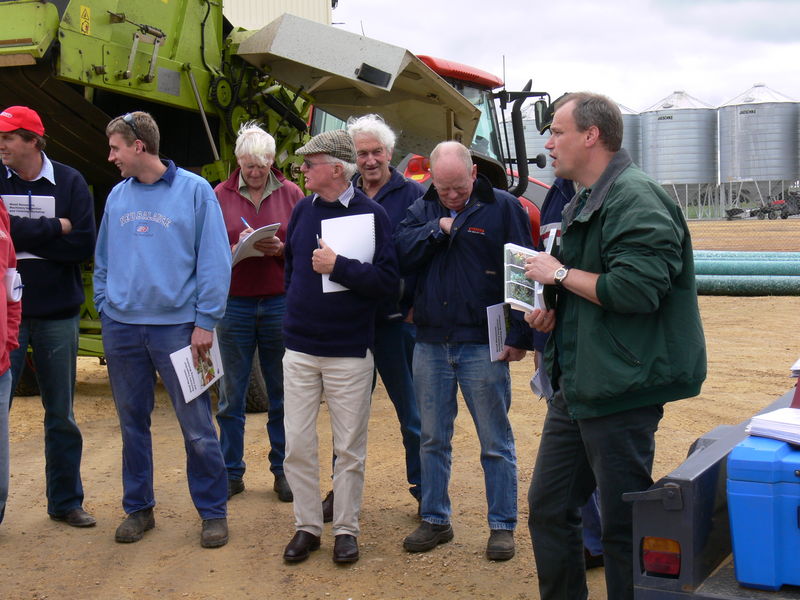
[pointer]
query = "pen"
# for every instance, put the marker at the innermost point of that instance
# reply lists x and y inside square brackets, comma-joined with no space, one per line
[246,224]
[318,246]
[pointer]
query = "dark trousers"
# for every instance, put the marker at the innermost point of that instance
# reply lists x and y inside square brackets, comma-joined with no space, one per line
[613,453]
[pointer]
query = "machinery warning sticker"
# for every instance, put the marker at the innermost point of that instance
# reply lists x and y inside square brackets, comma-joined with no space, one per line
[86,17]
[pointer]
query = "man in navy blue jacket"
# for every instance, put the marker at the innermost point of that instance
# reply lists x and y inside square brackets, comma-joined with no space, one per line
[50,249]
[453,239]
[331,299]
[394,332]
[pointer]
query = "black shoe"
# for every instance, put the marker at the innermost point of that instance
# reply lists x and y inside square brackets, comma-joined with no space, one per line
[214,533]
[135,524]
[302,544]
[327,508]
[77,517]
[592,561]
[235,486]
[500,545]
[345,548]
[427,536]
[282,488]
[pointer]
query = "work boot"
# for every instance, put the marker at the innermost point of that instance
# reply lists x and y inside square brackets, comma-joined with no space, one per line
[327,508]
[215,533]
[427,536]
[135,524]
[281,487]
[235,486]
[500,545]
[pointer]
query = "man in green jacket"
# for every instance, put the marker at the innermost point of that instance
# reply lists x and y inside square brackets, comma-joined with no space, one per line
[627,338]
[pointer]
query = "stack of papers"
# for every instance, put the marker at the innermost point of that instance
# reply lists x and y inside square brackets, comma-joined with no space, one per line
[782,424]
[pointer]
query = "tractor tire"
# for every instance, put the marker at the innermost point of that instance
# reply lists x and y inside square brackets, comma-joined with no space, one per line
[761,216]
[27,385]
[257,399]
[773,215]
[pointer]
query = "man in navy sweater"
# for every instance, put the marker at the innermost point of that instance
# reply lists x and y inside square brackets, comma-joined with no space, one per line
[331,299]
[50,249]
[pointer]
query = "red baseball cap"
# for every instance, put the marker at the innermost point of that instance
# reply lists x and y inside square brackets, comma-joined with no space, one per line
[21,117]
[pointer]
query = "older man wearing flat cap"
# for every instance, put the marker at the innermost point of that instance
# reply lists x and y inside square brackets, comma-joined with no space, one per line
[339,264]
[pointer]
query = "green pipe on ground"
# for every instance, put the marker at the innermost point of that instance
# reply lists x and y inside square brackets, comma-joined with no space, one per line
[741,255]
[746,267]
[748,285]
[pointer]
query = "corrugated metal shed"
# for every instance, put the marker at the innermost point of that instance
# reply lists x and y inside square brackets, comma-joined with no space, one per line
[254,14]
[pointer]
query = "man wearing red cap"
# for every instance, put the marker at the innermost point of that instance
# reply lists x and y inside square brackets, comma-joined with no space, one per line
[52,225]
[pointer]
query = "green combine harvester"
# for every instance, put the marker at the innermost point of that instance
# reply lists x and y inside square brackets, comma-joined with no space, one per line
[81,63]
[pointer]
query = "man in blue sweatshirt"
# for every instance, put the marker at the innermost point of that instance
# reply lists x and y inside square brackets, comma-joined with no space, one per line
[340,264]
[162,270]
[50,247]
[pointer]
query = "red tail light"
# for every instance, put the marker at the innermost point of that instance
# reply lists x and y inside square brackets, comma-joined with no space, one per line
[418,169]
[661,557]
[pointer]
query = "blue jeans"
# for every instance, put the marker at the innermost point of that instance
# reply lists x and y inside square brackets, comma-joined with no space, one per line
[134,353]
[55,352]
[250,323]
[5,397]
[486,386]
[614,454]
[394,354]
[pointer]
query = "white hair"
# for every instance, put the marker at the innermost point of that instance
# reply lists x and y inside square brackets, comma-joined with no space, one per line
[254,141]
[373,126]
[349,169]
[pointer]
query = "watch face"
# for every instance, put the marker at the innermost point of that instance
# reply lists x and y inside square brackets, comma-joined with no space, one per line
[560,274]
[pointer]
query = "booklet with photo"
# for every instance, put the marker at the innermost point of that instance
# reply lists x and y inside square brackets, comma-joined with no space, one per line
[522,293]
[246,247]
[196,380]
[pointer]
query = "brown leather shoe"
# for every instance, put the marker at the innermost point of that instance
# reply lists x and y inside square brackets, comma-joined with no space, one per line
[345,548]
[77,517]
[302,545]
[327,508]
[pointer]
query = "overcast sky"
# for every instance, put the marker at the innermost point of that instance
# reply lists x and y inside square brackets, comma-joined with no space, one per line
[637,51]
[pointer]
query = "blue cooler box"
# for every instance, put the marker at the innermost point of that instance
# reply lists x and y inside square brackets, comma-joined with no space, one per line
[764,508]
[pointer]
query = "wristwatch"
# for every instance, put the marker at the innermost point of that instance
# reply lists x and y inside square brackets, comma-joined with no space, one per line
[560,275]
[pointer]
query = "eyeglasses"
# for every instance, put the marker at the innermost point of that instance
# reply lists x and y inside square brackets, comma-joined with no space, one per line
[131,122]
[310,165]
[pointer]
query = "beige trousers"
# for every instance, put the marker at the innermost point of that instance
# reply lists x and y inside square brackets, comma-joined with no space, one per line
[347,384]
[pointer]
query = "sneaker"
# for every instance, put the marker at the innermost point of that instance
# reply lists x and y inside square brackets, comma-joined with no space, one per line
[282,488]
[235,486]
[215,533]
[135,524]
[427,536]
[501,544]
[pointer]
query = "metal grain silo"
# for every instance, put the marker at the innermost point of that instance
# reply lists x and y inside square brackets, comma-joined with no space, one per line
[631,133]
[758,137]
[679,141]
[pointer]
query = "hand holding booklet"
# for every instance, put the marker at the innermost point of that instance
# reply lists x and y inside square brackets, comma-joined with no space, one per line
[246,247]
[520,292]
[196,380]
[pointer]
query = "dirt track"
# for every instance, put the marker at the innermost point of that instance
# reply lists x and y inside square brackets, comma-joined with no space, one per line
[751,344]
